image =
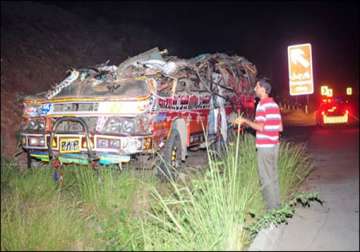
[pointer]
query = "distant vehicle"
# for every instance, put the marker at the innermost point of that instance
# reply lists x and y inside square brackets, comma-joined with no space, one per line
[333,110]
[151,103]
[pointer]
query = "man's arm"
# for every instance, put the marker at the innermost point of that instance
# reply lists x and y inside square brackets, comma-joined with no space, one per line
[258,126]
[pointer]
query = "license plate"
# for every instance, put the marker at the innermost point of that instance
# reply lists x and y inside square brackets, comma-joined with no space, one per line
[336,119]
[70,145]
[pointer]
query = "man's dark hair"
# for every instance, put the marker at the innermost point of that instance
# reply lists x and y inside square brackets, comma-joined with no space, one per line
[265,84]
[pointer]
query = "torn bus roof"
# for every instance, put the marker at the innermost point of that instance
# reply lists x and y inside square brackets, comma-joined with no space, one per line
[104,79]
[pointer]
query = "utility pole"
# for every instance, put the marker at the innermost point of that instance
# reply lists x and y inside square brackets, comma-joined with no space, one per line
[307,105]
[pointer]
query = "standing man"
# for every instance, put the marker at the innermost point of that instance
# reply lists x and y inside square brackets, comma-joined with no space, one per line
[267,124]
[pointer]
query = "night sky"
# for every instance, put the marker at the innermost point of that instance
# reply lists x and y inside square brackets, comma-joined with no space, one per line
[259,31]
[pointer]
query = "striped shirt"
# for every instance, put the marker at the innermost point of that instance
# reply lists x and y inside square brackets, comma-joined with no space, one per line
[268,112]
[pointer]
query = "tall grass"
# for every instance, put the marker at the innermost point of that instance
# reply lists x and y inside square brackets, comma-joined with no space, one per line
[92,211]
[8,172]
[108,198]
[50,225]
[295,164]
[104,210]
[33,214]
[211,213]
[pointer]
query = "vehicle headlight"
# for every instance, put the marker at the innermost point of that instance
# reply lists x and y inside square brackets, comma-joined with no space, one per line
[41,125]
[37,141]
[114,143]
[113,125]
[108,143]
[33,141]
[119,126]
[102,143]
[32,125]
[35,124]
[42,141]
[128,126]
[131,145]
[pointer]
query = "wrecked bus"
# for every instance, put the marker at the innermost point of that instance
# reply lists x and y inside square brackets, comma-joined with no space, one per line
[150,104]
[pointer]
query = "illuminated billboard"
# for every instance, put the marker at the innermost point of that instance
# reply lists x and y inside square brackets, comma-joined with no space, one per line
[301,81]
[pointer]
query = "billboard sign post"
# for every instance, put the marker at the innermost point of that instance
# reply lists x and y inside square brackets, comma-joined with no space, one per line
[301,81]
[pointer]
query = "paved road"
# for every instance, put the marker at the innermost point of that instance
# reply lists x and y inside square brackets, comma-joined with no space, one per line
[334,226]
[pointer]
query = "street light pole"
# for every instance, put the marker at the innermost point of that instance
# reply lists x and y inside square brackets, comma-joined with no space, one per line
[307,105]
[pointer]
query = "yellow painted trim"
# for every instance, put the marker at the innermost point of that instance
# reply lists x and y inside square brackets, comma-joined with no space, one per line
[34,101]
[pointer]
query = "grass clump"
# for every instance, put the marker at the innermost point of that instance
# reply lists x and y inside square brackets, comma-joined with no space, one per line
[9,171]
[295,164]
[34,215]
[50,225]
[92,211]
[214,212]
[108,198]
[219,208]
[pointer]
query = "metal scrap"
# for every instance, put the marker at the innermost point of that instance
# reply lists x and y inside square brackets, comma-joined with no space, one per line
[218,74]
[70,79]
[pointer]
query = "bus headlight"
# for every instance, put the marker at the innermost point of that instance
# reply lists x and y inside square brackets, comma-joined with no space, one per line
[36,140]
[35,124]
[114,143]
[128,127]
[115,125]
[102,143]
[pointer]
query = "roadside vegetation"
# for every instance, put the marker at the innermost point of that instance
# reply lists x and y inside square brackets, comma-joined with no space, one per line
[217,208]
